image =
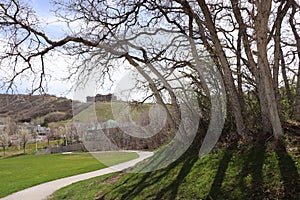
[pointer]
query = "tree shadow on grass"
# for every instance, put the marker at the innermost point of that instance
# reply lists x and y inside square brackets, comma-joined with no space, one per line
[173,187]
[188,159]
[147,179]
[136,183]
[288,171]
[253,167]
[219,177]
[248,180]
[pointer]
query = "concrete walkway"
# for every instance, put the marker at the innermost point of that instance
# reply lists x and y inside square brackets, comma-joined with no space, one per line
[42,191]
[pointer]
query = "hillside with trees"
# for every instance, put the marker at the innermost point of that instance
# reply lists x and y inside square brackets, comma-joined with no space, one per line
[223,74]
[42,108]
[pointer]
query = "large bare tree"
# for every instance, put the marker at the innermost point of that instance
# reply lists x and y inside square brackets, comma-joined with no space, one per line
[243,39]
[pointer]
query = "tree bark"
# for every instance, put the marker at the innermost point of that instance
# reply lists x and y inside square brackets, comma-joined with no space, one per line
[252,65]
[296,109]
[239,75]
[261,28]
[228,78]
[281,13]
[285,79]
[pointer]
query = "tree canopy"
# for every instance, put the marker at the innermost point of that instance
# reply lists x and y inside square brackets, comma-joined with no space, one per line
[251,49]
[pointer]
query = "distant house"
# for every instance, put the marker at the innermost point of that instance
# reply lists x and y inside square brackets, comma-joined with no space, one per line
[42,130]
[90,99]
[101,98]
[26,126]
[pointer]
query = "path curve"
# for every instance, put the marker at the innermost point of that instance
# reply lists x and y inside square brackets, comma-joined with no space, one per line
[42,191]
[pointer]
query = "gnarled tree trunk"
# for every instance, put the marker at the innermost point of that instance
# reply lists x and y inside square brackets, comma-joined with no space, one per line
[261,28]
[296,110]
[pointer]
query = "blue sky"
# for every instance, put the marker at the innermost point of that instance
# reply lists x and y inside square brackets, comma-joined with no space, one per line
[41,6]
[56,64]
[45,10]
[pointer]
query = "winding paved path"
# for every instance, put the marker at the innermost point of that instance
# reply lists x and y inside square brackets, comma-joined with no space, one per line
[42,191]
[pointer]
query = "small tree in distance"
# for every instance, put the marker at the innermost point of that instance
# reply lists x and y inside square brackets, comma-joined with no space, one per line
[4,140]
[35,136]
[49,135]
[24,139]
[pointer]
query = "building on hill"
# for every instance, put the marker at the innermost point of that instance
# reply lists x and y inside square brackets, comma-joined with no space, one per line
[101,98]
[42,130]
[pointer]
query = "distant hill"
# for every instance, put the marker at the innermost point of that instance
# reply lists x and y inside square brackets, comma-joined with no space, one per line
[103,112]
[24,108]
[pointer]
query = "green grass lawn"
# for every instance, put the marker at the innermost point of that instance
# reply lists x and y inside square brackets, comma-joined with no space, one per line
[112,158]
[22,171]
[235,172]
[30,148]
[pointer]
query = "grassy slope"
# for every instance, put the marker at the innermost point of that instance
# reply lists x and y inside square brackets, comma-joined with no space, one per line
[244,172]
[103,111]
[23,171]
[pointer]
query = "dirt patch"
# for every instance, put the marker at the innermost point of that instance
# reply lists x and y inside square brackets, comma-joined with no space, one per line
[101,195]
[114,179]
